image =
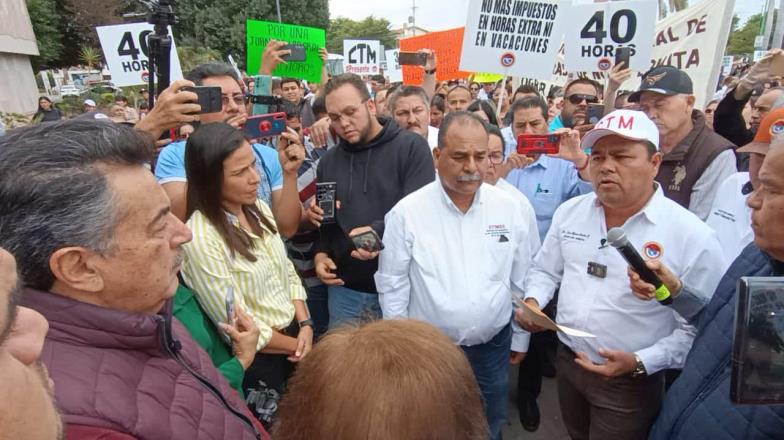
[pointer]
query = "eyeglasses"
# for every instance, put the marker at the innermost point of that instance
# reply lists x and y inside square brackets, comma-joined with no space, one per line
[474,89]
[347,113]
[577,98]
[496,158]
[239,100]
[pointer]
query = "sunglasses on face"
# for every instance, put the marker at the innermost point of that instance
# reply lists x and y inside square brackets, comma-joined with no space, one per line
[577,98]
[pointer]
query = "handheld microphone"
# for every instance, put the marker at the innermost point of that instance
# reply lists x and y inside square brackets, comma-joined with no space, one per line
[617,239]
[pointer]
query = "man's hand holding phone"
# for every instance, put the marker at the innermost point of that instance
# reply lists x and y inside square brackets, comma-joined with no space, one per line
[273,55]
[244,337]
[367,242]
[325,270]
[173,108]
[291,153]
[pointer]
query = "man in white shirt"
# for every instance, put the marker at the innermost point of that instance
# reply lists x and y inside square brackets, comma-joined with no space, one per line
[410,107]
[612,386]
[457,252]
[730,215]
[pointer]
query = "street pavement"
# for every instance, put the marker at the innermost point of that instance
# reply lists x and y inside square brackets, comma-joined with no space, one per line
[551,427]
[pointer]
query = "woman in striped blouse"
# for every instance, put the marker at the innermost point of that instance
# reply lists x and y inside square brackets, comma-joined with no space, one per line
[236,247]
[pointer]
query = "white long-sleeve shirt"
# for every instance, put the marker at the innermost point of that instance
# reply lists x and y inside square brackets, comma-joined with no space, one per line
[730,216]
[457,271]
[606,307]
[706,188]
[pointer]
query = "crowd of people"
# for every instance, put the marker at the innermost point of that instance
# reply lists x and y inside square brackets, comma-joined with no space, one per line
[164,276]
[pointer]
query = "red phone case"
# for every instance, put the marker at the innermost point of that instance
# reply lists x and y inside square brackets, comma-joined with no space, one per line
[538,144]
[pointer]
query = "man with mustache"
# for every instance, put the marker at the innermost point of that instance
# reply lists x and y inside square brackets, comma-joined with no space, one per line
[410,107]
[456,251]
[612,385]
[98,250]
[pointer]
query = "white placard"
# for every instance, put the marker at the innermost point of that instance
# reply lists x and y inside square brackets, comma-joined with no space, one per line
[126,52]
[362,57]
[726,64]
[514,38]
[758,54]
[394,69]
[596,30]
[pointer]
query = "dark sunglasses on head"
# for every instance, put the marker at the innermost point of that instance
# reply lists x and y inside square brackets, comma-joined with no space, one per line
[577,98]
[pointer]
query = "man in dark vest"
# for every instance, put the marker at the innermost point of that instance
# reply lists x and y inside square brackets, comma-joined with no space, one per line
[696,160]
[98,251]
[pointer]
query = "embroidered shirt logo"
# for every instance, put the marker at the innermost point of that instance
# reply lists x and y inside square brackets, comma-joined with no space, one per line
[677,178]
[652,250]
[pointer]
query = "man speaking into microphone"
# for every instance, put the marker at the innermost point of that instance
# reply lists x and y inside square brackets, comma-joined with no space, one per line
[611,386]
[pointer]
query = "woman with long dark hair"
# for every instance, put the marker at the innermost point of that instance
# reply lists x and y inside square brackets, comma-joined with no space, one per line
[237,252]
[47,112]
[485,110]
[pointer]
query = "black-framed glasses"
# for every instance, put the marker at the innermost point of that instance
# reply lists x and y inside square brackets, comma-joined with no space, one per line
[577,98]
[496,158]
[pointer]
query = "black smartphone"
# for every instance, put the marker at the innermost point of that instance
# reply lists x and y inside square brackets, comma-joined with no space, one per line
[369,241]
[297,53]
[622,55]
[412,59]
[326,196]
[209,98]
[262,126]
[594,113]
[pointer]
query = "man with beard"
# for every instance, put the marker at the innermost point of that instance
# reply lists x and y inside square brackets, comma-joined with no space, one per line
[577,95]
[410,108]
[374,166]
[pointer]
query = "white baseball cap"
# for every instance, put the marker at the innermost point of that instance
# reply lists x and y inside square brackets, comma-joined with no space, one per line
[629,124]
[89,102]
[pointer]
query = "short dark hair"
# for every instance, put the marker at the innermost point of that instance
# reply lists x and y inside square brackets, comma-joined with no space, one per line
[290,80]
[405,92]
[292,110]
[493,130]
[438,102]
[590,82]
[378,79]
[347,78]
[209,70]
[392,88]
[527,89]
[487,107]
[319,105]
[206,150]
[120,98]
[529,102]
[54,194]
[461,118]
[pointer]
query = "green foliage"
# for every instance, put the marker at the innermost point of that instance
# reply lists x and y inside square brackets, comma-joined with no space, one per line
[192,56]
[371,28]
[47,27]
[220,24]
[742,40]
[90,56]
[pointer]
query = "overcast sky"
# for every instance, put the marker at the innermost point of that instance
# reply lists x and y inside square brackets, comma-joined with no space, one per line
[435,15]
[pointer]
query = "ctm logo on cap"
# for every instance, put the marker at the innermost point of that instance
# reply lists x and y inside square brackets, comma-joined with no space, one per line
[617,122]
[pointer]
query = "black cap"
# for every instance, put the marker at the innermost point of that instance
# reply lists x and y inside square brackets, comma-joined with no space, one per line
[664,80]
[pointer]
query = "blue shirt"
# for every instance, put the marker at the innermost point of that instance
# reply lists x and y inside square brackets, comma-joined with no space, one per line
[547,183]
[556,123]
[171,168]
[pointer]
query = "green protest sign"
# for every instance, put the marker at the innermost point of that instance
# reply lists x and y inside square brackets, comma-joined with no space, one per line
[260,32]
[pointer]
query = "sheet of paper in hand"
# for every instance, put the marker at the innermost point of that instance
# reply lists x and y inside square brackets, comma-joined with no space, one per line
[545,322]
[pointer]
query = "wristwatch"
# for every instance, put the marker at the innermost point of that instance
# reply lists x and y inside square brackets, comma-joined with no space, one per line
[430,72]
[306,323]
[640,370]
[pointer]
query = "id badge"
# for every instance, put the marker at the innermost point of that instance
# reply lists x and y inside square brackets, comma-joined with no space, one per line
[597,270]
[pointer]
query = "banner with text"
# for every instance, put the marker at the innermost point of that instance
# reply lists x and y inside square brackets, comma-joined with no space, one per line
[596,30]
[517,38]
[362,57]
[259,33]
[686,40]
[394,71]
[127,54]
[446,44]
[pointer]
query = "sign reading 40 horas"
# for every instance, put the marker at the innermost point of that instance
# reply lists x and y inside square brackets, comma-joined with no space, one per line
[127,53]
[597,30]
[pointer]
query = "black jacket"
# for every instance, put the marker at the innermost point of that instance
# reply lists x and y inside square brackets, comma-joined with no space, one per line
[728,121]
[371,179]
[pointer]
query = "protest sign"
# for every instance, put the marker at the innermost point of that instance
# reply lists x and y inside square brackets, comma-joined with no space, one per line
[394,71]
[447,46]
[483,78]
[259,33]
[127,53]
[686,40]
[596,30]
[726,64]
[518,38]
[758,54]
[362,57]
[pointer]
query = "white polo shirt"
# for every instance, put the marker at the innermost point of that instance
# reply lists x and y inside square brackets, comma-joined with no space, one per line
[606,307]
[457,271]
[730,216]
[512,190]
[432,137]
